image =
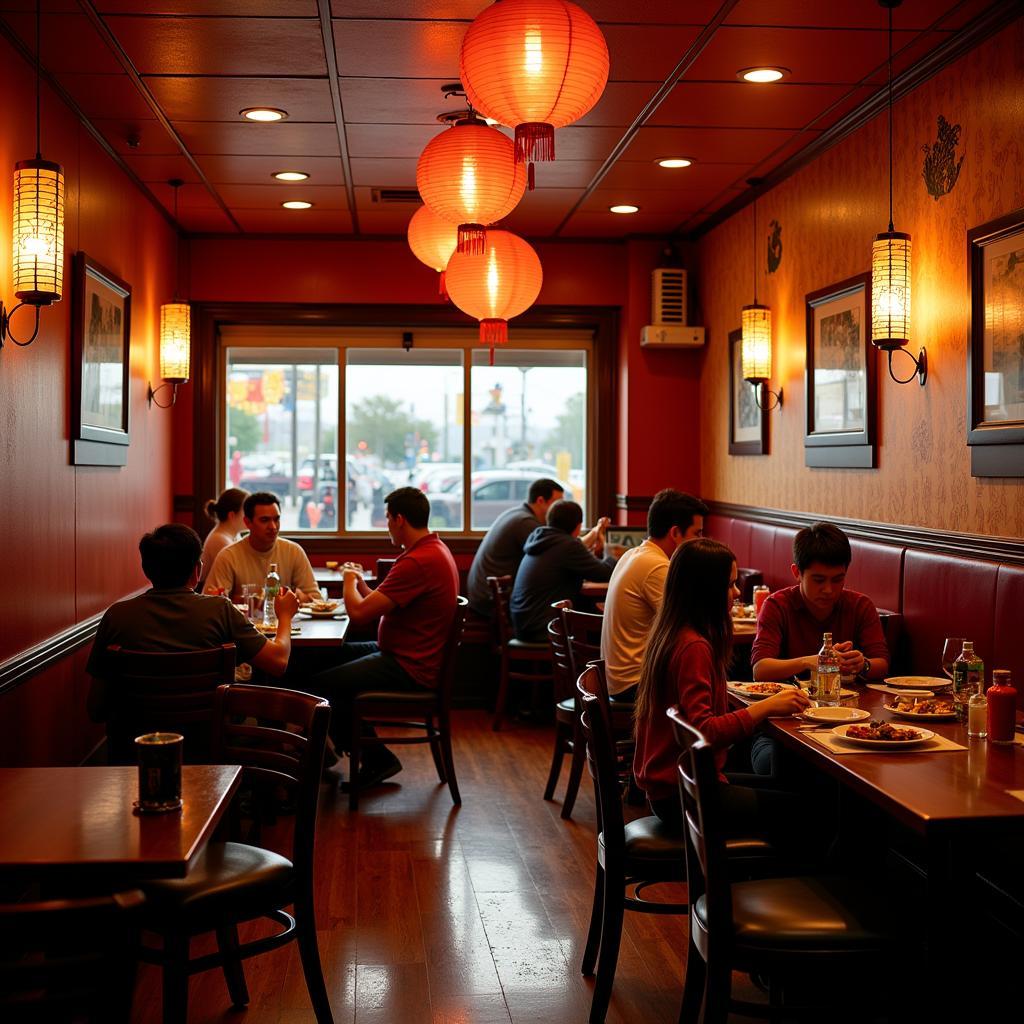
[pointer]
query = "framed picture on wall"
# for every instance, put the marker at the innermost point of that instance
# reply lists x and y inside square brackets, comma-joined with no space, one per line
[748,426]
[100,333]
[995,355]
[840,377]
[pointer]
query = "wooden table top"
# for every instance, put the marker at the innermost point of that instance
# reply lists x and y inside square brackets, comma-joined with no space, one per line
[945,792]
[319,632]
[80,820]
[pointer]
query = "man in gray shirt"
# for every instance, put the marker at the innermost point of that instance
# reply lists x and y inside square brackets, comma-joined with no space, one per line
[501,550]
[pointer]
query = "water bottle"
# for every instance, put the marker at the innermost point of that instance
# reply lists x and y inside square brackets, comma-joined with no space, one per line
[828,677]
[271,589]
[968,679]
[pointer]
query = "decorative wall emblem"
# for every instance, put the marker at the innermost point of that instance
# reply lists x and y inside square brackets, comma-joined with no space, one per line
[774,247]
[941,168]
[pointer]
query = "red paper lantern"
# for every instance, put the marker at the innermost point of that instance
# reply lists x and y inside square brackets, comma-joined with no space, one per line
[497,287]
[468,176]
[432,241]
[535,64]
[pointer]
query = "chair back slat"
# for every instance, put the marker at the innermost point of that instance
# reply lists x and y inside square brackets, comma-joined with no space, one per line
[602,765]
[68,960]
[158,691]
[289,749]
[561,657]
[450,656]
[584,632]
[706,860]
[501,592]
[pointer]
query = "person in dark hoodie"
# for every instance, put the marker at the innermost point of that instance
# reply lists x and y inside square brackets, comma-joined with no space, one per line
[555,564]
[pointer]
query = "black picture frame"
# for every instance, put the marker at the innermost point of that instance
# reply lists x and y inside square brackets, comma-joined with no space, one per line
[745,438]
[101,365]
[838,318]
[995,250]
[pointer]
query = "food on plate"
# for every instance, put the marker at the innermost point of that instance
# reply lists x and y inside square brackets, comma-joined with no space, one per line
[744,611]
[323,607]
[875,730]
[930,706]
[766,688]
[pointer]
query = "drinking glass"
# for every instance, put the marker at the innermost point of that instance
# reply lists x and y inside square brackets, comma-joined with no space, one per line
[950,652]
[159,757]
[252,596]
[760,596]
[810,685]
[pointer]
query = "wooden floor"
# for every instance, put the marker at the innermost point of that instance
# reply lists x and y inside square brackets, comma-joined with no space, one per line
[431,914]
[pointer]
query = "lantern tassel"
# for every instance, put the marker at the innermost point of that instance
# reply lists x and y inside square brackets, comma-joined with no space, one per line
[530,183]
[493,332]
[472,239]
[442,288]
[535,140]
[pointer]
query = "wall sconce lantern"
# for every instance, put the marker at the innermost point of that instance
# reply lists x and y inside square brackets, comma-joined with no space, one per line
[890,272]
[175,330]
[37,229]
[756,344]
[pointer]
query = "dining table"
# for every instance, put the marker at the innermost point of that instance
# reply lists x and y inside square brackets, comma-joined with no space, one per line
[78,824]
[318,631]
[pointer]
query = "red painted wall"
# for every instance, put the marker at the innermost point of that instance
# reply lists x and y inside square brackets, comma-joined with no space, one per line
[70,533]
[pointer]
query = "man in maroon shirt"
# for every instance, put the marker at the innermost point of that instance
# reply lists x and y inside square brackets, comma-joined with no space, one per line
[416,605]
[793,620]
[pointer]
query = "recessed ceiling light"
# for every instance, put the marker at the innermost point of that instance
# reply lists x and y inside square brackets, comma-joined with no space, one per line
[264,114]
[675,161]
[762,75]
[624,208]
[291,175]
[296,204]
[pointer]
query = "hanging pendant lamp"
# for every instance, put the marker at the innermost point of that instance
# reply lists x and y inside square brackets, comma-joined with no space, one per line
[890,271]
[432,240]
[756,344]
[468,176]
[535,65]
[175,328]
[37,226]
[503,284]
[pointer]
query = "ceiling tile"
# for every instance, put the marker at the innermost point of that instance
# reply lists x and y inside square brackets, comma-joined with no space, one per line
[646,174]
[231,8]
[190,197]
[675,202]
[709,145]
[388,220]
[258,170]
[283,138]
[398,49]
[540,212]
[107,96]
[160,167]
[565,173]
[395,100]
[646,53]
[221,46]
[908,54]
[270,197]
[657,11]
[387,140]
[365,201]
[150,137]
[220,99]
[912,14]
[620,103]
[70,44]
[381,172]
[610,225]
[206,222]
[299,222]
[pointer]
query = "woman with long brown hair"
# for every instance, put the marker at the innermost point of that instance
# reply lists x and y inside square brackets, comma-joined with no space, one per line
[685,664]
[226,512]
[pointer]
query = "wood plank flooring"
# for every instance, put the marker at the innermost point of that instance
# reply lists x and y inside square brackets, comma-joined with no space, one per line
[430,914]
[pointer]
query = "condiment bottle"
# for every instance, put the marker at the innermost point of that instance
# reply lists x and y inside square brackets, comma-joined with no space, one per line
[977,716]
[1002,707]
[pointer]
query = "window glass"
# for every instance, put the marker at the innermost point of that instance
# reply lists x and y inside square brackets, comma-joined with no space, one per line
[281,433]
[529,420]
[403,427]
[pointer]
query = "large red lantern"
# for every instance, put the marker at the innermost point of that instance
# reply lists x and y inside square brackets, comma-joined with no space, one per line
[432,241]
[501,285]
[537,65]
[468,176]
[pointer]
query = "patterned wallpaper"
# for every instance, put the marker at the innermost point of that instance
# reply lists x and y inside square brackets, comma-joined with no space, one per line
[829,213]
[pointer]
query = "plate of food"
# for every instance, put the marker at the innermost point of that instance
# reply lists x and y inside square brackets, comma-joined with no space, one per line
[882,734]
[836,714]
[917,682]
[270,628]
[935,709]
[323,609]
[744,613]
[756,691]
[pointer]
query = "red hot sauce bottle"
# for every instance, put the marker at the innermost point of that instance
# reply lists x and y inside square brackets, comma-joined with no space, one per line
[1002,707]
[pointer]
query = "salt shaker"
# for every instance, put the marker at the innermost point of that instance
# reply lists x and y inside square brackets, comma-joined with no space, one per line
[977,716]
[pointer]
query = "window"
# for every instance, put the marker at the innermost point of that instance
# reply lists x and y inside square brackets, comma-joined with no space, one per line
[408,417]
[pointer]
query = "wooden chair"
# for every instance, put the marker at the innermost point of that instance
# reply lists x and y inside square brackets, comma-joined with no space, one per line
[233,882]
[629,856]
[568,732]
[780,927]
[428,711]
[68,960]
[164,692]
[521,662]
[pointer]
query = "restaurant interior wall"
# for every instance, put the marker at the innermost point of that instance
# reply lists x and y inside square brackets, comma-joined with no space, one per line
[70,532]
[829,213]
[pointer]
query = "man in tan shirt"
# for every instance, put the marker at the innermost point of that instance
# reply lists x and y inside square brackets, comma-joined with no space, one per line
[637,585]
[249,559]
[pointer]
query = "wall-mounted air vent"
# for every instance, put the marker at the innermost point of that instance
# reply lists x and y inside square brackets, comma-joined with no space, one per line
[395,195]
[668,295]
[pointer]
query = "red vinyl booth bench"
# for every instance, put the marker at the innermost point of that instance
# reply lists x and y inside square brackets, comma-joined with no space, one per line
[927,595]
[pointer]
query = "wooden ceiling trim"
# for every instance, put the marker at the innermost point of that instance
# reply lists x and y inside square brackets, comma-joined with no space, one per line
[89,10]
[991,21]
[692,52]
[327,31]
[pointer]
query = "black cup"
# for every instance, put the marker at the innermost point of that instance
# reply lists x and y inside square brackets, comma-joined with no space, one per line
[159,771]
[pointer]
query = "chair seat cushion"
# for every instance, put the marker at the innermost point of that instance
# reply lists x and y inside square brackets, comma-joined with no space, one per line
[226,878]
[542,648]
[804,914]
[426,697]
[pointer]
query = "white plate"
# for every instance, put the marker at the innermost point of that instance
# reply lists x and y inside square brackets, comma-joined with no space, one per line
[840,731]
[339,610]
[741,689]
[917,682]
[947,716]
[839,714]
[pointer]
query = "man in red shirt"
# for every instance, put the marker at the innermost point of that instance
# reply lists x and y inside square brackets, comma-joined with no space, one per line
[793,620]
[416,605]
